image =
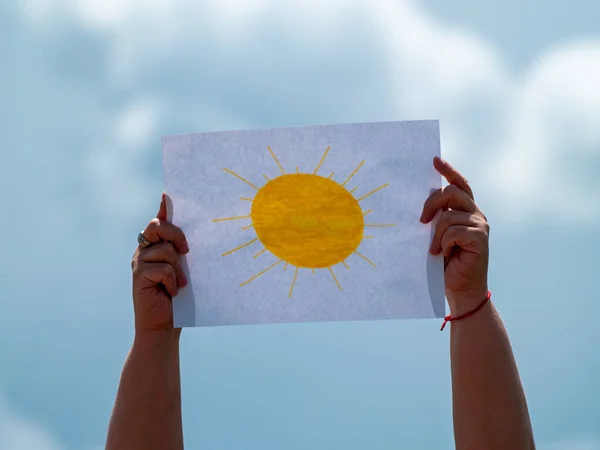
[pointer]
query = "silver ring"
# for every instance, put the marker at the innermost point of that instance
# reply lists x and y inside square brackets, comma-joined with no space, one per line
[142,241]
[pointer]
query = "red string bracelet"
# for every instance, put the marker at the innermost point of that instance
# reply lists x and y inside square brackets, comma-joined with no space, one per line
[449,317]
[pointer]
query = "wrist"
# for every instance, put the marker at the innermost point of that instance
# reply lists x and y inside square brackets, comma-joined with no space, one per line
[157,340]
[463,302]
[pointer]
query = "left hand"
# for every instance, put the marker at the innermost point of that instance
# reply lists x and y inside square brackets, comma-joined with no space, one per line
[462,234]
[157,274]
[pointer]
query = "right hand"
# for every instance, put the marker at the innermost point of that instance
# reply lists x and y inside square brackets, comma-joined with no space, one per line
[157,273]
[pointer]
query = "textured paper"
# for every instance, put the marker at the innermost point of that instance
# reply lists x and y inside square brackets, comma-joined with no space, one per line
[213,178]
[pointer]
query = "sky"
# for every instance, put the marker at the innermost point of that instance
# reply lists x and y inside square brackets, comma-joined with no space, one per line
[88,90]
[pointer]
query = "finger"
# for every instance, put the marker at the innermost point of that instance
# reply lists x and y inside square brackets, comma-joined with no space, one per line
[452,175]
[162,210]
[448,219]
[165,253]
[449,197]
[160,273]
[465,237]
[161,230]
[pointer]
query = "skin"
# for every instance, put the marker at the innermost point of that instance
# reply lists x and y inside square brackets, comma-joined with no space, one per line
[147,411]
[489,407]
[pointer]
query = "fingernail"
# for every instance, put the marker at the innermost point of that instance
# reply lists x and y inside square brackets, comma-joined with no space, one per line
[186,247]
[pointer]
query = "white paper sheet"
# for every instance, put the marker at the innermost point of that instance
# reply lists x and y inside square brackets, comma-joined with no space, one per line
[311,246]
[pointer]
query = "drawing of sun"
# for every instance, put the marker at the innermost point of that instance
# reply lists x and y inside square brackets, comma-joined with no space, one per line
[306,220]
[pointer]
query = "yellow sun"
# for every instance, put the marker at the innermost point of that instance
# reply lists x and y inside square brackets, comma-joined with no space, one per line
[306,220]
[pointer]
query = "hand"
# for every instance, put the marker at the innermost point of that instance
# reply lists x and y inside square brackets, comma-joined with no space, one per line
[157,273]
[461,233]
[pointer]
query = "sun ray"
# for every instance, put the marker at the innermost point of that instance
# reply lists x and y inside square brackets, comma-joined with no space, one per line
[367,237]
[266,177]
[372,192]
[260,253]
[297,169]
[231,218]
[313,271]
[365,258]
[285,267]
[248,227]
[260,273]
[367,212]
[241,178]
[277,161]
[354,189]
[346,265]
[293,282]
[333,275]
[380,224]
[246,198]
[353,173]
[330,176]
[322,159]
[240,247]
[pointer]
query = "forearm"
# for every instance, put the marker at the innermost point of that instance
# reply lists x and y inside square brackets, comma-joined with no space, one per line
[147,411]
[490,410]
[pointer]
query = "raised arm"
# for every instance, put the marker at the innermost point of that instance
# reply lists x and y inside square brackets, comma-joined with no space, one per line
[489,406]
[147,411]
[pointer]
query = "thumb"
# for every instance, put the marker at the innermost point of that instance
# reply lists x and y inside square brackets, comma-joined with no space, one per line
[162,211]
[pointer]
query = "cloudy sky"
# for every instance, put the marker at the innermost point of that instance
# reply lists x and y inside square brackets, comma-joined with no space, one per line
[88,88]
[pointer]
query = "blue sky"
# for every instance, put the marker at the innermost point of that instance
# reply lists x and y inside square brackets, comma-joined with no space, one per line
[88,89]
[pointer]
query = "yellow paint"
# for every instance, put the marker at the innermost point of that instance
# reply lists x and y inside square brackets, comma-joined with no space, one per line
[237,176]
[293,283]
[322,159]
[336,280]
[240,247]
[276,160]
[230,218]
[260,273]
[260,253]
[353,173]
[372,192]
[307,220]
[366,259]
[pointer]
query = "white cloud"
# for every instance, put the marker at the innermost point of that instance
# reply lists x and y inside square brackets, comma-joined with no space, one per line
[528,138]
[554,134]
[23,433]
[115,179]
[19,433]
[134,125]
